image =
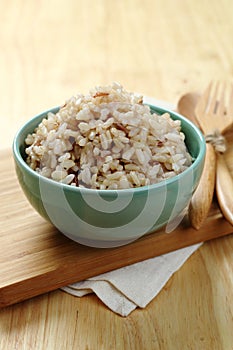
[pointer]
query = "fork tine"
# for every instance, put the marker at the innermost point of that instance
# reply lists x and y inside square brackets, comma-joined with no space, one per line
[221,100]
[213,97]
[230,110]
[203,102]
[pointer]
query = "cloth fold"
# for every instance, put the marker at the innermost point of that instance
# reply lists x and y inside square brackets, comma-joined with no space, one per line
[125,289]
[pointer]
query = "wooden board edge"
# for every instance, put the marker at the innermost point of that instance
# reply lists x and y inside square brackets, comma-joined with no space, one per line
[146,247]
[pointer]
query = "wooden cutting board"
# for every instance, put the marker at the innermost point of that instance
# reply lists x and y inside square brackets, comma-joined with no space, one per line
[35,258]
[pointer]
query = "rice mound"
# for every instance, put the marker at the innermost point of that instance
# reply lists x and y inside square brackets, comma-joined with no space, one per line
[107,139]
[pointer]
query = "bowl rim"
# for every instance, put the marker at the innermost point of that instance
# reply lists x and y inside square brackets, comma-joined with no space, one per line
[155,108]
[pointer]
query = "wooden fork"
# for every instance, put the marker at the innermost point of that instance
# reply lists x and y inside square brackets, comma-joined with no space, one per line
[215,112]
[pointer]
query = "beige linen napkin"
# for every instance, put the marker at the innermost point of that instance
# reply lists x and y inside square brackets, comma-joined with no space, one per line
[125,289]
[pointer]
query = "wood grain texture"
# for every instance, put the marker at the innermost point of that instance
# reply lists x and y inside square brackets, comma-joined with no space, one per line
[50,50]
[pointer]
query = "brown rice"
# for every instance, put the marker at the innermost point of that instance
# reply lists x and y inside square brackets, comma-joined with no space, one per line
[107,140]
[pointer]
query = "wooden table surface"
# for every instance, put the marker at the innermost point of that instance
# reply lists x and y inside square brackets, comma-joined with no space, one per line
[50,50]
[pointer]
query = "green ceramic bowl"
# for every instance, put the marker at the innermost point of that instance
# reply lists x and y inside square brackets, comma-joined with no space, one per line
[110,218]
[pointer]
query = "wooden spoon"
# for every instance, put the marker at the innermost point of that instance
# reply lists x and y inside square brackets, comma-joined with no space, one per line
[202,198]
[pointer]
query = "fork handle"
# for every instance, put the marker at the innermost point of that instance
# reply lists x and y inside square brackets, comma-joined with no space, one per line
[224,188]
[203,196]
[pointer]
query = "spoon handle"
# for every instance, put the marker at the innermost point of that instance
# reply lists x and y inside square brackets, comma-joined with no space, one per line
[203,196]
[224,188]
